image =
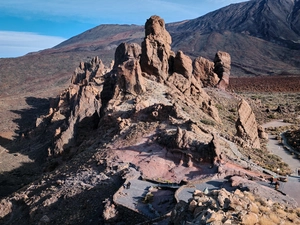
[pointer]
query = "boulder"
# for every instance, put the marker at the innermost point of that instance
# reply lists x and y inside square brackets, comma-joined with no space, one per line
[156,48]
[261,133]
[203,70]
[222,68]
[246,125]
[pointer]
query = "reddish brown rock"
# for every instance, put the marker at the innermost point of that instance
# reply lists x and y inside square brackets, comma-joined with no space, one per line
[246,125]
[129,73]
[125,52]
[85,72]
[222,63]
[183,64]
[156,48]
[203,70]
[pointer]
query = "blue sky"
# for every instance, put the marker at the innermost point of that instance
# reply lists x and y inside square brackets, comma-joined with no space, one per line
[33,25]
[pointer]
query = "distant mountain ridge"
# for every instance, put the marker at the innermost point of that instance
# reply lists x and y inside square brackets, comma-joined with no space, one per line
[272,20]
[262,37]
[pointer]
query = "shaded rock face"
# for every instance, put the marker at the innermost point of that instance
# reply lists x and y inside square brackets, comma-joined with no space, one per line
[222,68]
[214,148]
[125,52]
[156,48]
[183,64]
[129,73]
[78,107]
[246,125]
[89,70]
[203,70]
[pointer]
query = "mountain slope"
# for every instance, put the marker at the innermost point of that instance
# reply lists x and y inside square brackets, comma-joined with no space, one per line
[271,20]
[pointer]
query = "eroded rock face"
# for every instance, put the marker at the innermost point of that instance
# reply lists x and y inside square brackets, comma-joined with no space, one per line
[156,48]
[129,73]
[222,68]
[203,70]
[183,65]
[125,52]
[85,72]
[246,125]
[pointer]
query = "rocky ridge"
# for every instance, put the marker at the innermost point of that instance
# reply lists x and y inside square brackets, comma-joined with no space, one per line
[150,110]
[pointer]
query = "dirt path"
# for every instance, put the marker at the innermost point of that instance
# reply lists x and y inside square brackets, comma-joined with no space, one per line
[277,149]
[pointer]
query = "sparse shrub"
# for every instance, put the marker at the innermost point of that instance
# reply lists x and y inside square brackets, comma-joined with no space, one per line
[281,213]
[274,218]
[232,110]
[250,219]
[272,116]
[219,107]
[253,208]
[207,122]
[231,118]
[250,196]
[265,209]
[266,221]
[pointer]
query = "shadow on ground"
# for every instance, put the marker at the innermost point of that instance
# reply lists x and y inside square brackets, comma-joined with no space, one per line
[23,157]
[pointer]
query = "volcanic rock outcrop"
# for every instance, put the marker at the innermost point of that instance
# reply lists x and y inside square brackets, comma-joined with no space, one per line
[156,48]
[94,86]
[128,69]
[246,125]
[78,106]
[204,72]
[222,67]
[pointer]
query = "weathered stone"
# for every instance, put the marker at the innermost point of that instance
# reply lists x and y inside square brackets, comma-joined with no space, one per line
[222,63]
[261,133]
[183,65]
[180,82]
[86,72]
[246,124]
[203,70]
[182,139]
[110,212]
[5,207]
[130,79]
[156,48]
[125,52]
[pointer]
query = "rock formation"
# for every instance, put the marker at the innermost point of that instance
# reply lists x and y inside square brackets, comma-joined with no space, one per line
[87,71]
[183,65]
[129,73]
[261,133]
[246,125]
[222,67]
[203,70]
[156,48]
